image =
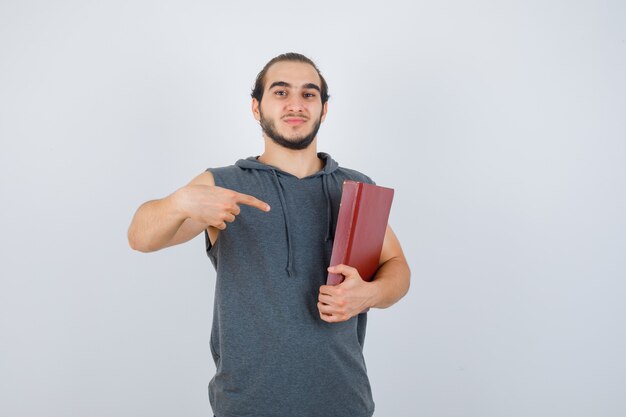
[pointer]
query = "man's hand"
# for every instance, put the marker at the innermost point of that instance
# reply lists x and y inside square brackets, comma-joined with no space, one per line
[338,303]
[212,205]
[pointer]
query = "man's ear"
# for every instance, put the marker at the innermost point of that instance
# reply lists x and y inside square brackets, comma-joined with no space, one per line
[324,111]
[255,109]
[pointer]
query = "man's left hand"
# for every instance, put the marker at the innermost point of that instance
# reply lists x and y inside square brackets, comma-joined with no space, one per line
[338,303]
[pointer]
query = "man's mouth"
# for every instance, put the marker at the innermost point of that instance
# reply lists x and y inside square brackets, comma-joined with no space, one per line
[294,120]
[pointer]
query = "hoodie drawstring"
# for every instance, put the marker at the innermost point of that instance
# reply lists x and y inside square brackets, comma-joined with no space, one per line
[283,204]
[329,214]
[328,184]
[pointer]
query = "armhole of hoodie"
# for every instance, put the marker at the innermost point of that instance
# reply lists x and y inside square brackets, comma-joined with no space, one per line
[207,240]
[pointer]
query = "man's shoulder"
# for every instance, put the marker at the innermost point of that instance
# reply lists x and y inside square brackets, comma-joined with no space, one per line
[231,176]
[353,175]
[224,170]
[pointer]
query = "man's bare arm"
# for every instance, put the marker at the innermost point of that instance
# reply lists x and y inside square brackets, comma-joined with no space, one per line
[184,214]
[392,280]
[161,223]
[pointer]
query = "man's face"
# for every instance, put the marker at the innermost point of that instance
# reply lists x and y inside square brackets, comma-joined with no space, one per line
[291,111]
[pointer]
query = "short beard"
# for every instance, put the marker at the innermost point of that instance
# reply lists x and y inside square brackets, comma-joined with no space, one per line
[297,143]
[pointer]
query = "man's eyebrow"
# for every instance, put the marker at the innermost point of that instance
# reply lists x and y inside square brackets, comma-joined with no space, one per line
[280,84]
[285,84]
[313,86]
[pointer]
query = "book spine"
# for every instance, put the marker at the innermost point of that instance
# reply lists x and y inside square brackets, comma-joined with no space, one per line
[343,231]
[355,217]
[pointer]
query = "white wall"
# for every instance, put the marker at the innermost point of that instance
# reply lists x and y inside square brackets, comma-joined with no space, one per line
[501,125]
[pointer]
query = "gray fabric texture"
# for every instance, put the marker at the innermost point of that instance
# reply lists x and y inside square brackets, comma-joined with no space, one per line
[274,355]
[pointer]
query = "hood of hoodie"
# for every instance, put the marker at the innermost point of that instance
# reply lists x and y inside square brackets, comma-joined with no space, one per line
[330,165]
[327,172]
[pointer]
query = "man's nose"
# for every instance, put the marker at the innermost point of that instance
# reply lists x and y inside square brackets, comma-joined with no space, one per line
[295,103]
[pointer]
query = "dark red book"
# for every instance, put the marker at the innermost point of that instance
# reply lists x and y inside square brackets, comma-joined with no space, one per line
[360,230]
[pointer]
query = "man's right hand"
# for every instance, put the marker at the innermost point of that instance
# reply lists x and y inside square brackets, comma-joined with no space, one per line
[212,205]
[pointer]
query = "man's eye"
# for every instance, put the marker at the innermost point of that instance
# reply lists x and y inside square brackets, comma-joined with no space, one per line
[309,95]
[280,93]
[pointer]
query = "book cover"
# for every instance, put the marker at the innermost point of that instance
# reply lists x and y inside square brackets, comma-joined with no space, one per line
[360,231]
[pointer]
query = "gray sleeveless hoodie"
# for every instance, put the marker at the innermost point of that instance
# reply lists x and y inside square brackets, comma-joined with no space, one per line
[274,355]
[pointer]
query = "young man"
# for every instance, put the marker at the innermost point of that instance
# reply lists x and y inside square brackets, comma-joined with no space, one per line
[284,343]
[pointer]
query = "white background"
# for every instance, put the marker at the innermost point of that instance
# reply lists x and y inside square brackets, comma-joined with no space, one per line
[501,125]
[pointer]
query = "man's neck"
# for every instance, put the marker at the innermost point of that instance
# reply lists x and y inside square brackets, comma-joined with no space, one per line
[300,163]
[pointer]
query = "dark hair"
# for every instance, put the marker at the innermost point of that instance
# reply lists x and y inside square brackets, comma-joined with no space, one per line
[259,85]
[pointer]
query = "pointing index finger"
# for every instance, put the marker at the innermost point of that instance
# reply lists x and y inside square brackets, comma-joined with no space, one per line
[252,201]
